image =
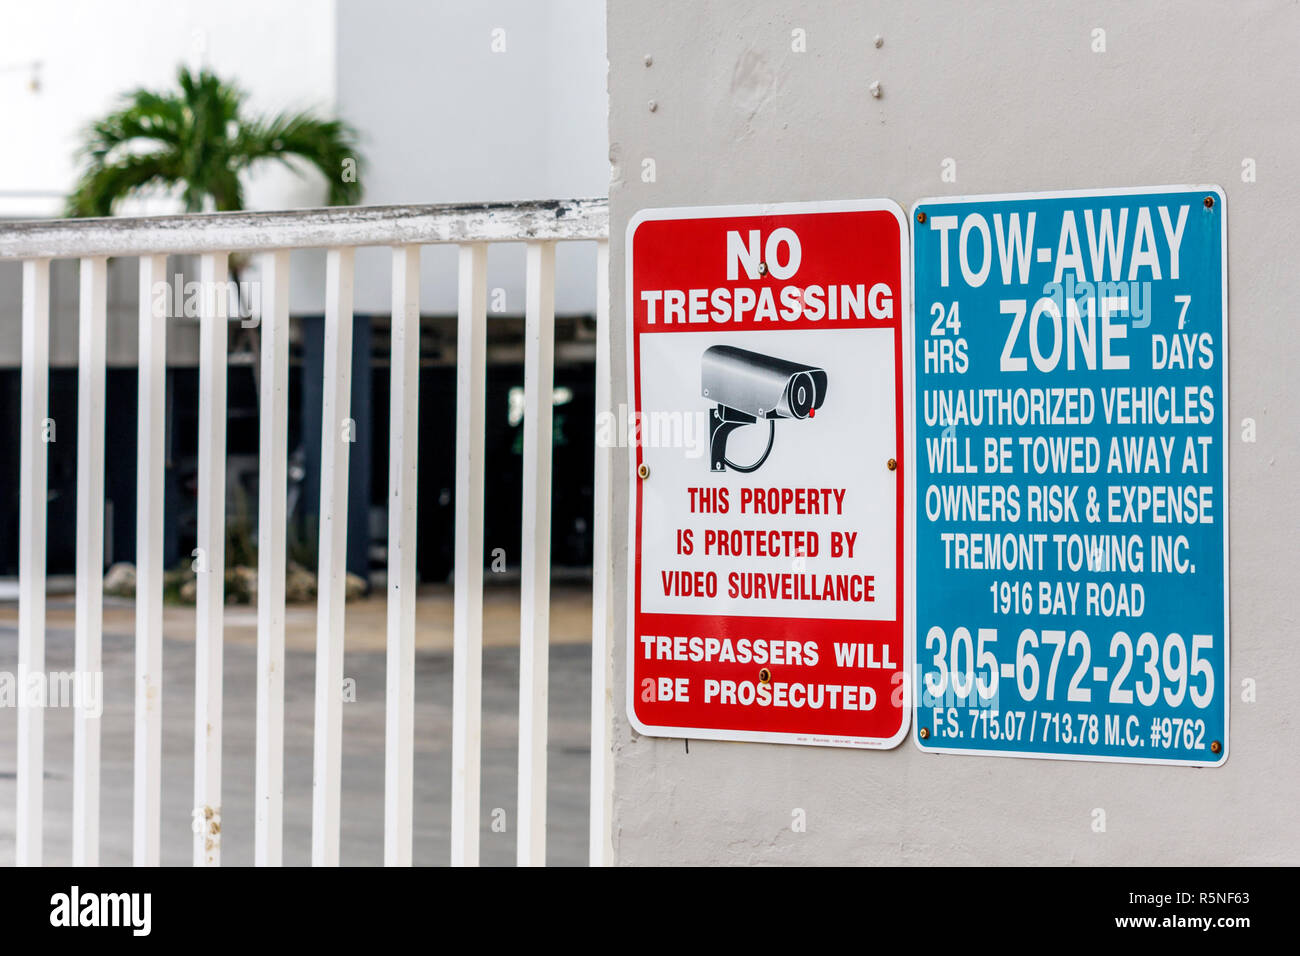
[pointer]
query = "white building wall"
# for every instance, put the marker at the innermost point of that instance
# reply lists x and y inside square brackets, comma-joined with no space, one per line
[473,102]
[442,118]
[89,53]
[1013,92]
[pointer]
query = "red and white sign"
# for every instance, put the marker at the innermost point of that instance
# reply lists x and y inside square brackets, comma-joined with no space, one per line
[767,579]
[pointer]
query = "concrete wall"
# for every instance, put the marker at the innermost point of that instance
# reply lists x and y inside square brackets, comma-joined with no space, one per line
[1184,93]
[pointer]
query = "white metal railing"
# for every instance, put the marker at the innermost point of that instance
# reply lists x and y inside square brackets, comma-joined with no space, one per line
[273,235]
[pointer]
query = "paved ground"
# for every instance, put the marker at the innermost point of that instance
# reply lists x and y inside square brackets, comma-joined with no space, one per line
[363,731]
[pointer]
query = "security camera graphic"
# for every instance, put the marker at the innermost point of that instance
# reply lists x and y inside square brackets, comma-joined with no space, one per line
[748,386]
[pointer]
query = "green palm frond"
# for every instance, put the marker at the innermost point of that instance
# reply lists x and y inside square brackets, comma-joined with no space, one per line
[196,141]
[291,138]
[102,185]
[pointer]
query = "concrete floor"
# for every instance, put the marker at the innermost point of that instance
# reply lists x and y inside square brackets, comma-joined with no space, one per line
[363,733]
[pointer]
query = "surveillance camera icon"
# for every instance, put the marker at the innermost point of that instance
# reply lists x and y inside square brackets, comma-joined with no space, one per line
[748,386]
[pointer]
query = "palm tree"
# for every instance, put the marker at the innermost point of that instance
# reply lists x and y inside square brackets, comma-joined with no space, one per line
[198,140]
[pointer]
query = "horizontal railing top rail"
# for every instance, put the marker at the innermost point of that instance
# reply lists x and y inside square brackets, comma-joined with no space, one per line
[531,221]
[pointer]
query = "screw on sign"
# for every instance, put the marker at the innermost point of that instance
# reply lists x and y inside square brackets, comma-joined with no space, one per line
[768,587]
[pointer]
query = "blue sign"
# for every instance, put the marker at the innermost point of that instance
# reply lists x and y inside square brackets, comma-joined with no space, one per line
[1069,475]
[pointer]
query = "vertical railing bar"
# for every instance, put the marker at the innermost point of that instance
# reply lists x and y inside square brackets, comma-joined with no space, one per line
[535,582]
[268,824]
[151,395]
[602,605]
[211,566]
[332,561]
[403,451]
[34,405]
[467,664]
[88,639]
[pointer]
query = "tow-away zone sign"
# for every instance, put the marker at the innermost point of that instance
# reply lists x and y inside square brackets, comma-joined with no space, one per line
[1071,472]
[767,583]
